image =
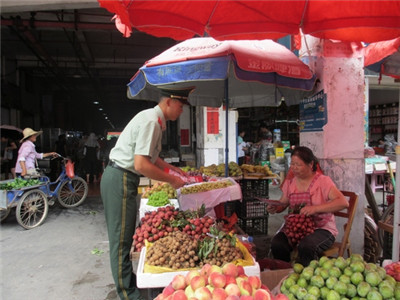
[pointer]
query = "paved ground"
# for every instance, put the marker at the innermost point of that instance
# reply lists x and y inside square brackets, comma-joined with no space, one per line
[55,260]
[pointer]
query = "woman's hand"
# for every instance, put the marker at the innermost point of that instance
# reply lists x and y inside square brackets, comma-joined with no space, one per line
[273,208]
[309,210]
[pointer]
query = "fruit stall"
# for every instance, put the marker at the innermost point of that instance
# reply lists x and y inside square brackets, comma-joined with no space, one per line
[184,246]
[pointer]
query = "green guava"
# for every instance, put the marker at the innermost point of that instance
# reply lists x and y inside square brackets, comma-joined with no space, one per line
[374,295]
[344,278]
[335,272]
[363,289]
[373,278]
[351,291]
[317,281]
[356,278]
[333,295]
[341,288]
[331,282]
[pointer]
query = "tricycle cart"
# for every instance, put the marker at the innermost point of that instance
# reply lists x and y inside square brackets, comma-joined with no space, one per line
[32,202]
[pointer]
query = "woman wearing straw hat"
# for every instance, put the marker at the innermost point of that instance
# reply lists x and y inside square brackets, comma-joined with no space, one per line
[27,155]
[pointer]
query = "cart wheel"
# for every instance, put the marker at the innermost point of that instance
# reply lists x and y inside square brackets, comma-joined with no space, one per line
[372,248]
[4,212]
[32,209]
[73,192]
[386,238]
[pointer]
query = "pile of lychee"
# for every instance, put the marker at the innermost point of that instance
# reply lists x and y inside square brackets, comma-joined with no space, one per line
[297,226]
[214,282]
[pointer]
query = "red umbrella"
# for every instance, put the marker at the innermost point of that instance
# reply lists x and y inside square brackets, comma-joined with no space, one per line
[384,57]
[367,21]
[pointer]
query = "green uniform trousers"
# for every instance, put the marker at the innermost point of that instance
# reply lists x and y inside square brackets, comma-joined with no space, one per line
[118,192]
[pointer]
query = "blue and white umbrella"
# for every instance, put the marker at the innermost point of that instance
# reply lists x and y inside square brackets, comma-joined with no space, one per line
[238,74]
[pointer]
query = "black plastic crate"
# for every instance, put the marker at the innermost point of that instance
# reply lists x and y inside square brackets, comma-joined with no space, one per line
[232,207]
[254,226]
[254,188]
[252,208]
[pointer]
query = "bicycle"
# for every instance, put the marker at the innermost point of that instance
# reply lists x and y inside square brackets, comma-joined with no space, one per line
[32,202]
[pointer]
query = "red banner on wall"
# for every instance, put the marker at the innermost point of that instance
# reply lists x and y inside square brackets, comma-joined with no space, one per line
[212,120]
[185,137]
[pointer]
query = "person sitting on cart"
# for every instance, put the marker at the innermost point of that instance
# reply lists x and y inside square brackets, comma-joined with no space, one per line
[27,155]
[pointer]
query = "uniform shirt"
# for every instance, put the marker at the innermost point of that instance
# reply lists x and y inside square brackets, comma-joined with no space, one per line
[142,136]
[27,153]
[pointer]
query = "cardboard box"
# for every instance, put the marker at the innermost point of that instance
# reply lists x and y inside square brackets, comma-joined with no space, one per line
[272,278]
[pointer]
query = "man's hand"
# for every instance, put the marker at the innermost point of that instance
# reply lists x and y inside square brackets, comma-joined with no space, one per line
[177,182]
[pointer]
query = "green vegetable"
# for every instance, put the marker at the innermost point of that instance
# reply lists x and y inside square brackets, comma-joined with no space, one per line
[19,183]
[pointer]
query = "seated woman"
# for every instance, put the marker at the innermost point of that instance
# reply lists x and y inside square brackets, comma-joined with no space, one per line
[319,197]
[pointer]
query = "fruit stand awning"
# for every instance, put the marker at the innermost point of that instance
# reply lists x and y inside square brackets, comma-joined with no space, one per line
[367,21]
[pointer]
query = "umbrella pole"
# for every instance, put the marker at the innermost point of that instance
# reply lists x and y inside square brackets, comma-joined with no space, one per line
[396,221]
[226,128]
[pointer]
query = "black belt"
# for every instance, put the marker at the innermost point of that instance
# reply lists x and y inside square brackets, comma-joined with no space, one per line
[114,165]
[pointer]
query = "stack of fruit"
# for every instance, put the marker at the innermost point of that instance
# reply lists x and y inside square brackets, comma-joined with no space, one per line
[158,187]
[214,282]
[340,278]
[159,223]
[297,225]
[393,269]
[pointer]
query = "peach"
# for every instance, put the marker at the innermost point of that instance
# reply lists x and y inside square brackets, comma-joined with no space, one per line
[189,291]
[205,270]
[240,270]
[197,282]
[202,293]
[232,289]
[168,290]
[178,282]
[179,295]
[229,279]
[232,297]
[246,297]
[210,288]
[215,268]
[190,275]
[264,287]
[230,269]
[217,280]
[255,282]
[219,294]
[261,295]
[281,296]
[245,288]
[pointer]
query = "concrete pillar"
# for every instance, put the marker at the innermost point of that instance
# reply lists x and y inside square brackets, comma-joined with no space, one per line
[340,144]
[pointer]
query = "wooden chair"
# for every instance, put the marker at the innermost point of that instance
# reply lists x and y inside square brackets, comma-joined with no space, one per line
[339,247]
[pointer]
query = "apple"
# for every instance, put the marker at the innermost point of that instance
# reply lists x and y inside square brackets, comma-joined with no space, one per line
[202,293]
[217,280]
[178,282]
[232,289]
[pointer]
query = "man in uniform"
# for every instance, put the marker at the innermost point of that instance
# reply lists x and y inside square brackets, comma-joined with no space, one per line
[135,153]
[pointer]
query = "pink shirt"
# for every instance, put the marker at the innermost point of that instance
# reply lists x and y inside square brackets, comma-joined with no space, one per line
[27,152]
[319,194]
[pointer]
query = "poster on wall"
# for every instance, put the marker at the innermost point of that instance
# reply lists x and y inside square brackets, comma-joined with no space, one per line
[313,113]
[212,120]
